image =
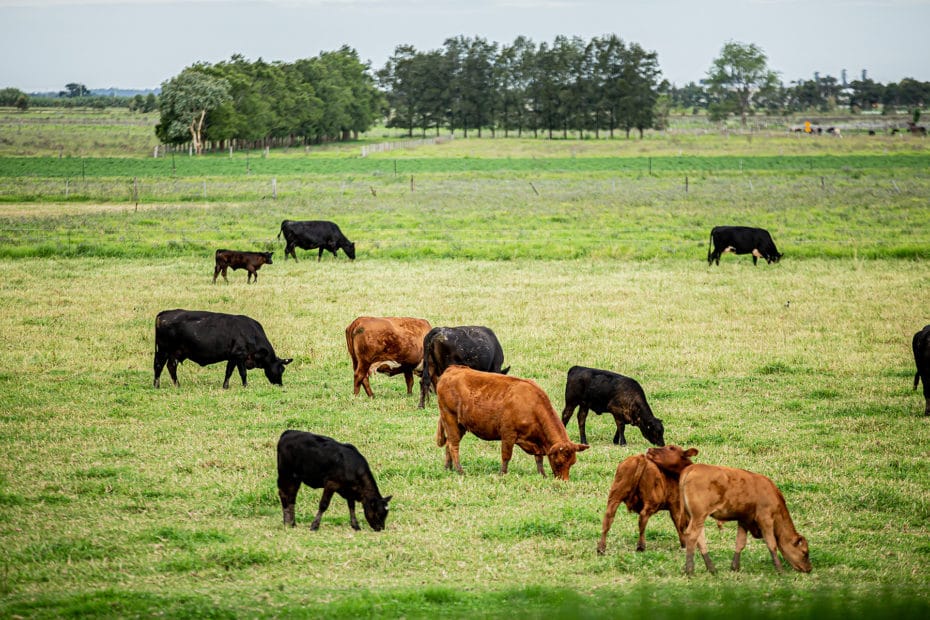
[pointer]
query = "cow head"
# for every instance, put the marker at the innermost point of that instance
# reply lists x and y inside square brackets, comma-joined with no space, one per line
[562,457]
[671,458]
[797,553]
[376,511]
[267,256]
[653,430]
[349,249]
[275,369]
[773,257]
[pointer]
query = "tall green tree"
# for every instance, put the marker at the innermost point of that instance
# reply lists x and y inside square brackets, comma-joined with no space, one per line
[736,76]
[184,102]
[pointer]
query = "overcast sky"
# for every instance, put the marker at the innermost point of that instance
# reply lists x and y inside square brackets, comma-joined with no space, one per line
[45,44]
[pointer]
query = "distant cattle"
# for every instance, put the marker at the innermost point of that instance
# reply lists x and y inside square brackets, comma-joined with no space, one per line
[645,489]
[390,345]
[742,240]
[497,407]
[473,346]
[921,345]
[917,130]
[605,391]
[250,261]
[729,494]
[323,463]
[311,235]
[211,337]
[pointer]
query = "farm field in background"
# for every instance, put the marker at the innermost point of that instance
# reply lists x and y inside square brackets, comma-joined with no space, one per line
[117,499]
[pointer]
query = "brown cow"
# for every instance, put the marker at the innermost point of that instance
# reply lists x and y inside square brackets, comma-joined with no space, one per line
[389,345]
[250,261]
[499,407]
[729,494]
[645,489]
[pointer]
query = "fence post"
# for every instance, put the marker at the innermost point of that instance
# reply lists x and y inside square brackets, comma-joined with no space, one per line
[205,190]
[274,189]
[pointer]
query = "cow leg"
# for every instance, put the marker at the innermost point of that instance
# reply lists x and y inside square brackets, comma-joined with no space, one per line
[769,536]
[620,435]
[613,502]
[740,545]
[225,269]
[287,491]
[173,370]
[320,255]
[694,536]
[352,520]
[643,520]
[324,504]
[216,272]
[408,378]
[507,454]
[159,364]
[539,464]
[230,365]
[582,419]
[241,366]
[453,433]
[361,380]
[252,274]
[680,525]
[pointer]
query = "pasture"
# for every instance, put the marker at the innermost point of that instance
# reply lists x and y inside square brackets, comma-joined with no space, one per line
[117,499]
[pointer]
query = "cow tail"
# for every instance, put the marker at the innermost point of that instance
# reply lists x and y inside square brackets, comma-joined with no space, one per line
[440,435]
[710,243]
[281,231]
[425,384]
[916,379]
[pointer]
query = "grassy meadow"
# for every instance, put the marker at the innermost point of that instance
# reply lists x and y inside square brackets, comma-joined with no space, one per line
[120,500]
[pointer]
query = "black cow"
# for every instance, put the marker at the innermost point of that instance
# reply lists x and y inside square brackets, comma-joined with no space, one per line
[921,344]
[323,462]
[250,261]
[314,234]
[742,240]
[602,390]
[473,346]
[211,337]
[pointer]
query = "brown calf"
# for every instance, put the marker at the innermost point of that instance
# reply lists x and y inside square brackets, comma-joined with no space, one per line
[729,494]
[390,345]
[250,261]
[499,407]
[645,489]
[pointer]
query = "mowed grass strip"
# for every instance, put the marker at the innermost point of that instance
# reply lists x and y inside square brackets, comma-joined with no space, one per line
[114,494]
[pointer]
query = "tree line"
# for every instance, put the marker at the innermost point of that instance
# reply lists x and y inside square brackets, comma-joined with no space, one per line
[569,86]
[249,104]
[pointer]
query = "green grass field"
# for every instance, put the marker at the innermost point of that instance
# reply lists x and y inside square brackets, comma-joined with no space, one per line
[120,500]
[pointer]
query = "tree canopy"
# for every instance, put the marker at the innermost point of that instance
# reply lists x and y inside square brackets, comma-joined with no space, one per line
[738,76]
[330,97]
[569,85]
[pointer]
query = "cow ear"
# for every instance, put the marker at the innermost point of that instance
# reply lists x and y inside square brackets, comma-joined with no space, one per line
[691,452]
[287,361]
[387,499]
[581,447]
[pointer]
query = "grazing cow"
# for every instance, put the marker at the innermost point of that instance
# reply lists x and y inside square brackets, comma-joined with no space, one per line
[921,344]
[729,494]
[250,261]
[311,235]
[323,463]
[390,345]
[211,337]
[645,489]
[742,240]
[602,390]
[471,345]
[497,407]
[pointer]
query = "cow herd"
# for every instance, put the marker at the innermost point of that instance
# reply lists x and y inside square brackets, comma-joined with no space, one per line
[463,366]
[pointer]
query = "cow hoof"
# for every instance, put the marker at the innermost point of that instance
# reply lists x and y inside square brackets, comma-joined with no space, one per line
[601,549]
[640,548]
